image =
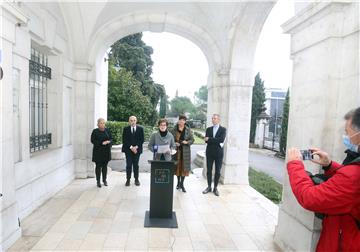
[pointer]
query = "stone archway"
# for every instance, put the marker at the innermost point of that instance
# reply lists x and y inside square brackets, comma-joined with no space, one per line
[121,27]
[229,50]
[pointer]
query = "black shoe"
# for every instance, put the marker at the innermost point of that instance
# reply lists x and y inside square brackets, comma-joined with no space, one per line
[127,183]
[137,182]
[98,184]
[105,183]
[183,189]
[178,186]
[207,190]
[216,192]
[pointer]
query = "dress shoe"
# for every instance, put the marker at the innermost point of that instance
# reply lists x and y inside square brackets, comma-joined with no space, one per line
[98,184]
[105,183]
[127,183]
[137,182]
[207,190]
[183,189]
[216,192]
[178,186]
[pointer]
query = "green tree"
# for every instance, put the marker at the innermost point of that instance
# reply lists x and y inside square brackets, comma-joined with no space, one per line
[125,98]
[181,105]
[200,110]
[258,99]
[133,55]
[163,106]
[284,124]
[201,95]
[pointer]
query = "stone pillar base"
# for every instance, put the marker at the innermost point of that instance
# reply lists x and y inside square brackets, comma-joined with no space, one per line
[303,240]
[235,174]
[10,230]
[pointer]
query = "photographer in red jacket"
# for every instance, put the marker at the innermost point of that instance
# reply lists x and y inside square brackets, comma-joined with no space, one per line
[338,197]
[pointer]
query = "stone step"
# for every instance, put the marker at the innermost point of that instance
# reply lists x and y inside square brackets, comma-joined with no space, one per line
[116,153]
[199,160]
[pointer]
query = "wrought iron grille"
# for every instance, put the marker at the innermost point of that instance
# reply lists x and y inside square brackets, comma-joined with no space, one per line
[39,73]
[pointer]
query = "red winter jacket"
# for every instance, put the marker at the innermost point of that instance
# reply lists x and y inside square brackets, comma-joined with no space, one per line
[338,198]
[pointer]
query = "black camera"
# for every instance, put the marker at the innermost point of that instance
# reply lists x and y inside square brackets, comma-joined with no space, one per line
[317,179]
[307,154]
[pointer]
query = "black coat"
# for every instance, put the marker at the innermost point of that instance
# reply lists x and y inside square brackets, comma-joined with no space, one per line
[130,140]
[101,153]
[213,143]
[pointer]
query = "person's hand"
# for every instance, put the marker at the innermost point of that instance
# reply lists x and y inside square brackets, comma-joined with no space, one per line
[105,142]
[177,144]
[293,154]
[323,157]
[206,139]
[184,142]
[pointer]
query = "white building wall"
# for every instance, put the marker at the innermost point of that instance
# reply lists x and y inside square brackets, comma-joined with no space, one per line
[28,180]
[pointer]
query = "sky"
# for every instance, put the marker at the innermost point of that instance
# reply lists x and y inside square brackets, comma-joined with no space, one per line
[175,71]
[272,57]
[172,66]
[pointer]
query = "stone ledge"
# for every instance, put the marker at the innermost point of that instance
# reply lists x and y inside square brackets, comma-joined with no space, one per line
[200,157]
[116,153]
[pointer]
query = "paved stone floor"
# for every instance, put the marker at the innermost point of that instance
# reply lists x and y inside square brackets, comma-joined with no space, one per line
[82,217]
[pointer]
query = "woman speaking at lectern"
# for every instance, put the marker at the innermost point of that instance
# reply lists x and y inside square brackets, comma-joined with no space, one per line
[162,142]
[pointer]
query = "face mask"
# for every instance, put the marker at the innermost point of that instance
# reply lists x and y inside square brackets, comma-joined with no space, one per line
[348,144]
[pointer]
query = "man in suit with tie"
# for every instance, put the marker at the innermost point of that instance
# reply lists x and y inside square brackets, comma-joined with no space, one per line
[133,139]
[214,137]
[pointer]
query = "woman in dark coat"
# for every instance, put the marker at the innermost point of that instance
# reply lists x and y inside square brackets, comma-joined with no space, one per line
[183,139]
[101,139]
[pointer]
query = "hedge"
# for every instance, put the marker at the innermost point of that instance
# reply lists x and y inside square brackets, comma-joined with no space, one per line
[116,129]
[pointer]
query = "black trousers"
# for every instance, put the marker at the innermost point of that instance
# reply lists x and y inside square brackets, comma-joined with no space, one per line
[210,159]
[101,167]
[132,161]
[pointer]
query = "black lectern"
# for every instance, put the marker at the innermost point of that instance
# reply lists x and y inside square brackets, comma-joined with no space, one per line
[161,195]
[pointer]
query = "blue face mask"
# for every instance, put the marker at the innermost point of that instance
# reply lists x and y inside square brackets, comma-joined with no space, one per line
[349,145]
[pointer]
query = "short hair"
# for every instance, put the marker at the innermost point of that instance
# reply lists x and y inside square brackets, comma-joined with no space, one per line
[355,119]
[100,119]
[163,120]
[132,117]
[182,117]
[349,115]
[217,115]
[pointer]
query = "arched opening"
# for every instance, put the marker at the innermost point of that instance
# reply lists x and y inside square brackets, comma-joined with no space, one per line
[124,26]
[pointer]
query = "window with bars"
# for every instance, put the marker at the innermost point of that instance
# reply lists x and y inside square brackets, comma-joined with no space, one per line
[39,73]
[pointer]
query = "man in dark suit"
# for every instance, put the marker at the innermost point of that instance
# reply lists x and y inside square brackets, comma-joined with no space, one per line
[214,137]
[133,139]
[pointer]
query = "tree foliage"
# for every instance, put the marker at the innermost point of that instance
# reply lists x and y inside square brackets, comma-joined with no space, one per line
[284,124]
[201,97]
[125,98]
[181,105]
[164,104]
[258,99]
[132,55]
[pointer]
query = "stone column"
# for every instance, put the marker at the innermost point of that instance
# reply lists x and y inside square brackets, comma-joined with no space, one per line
[261,122]
[230,96]
[10,19]
[237,119]
[85,120]
[325,51]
